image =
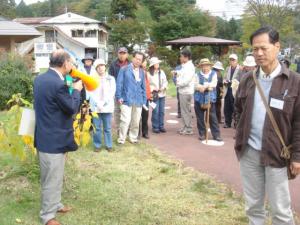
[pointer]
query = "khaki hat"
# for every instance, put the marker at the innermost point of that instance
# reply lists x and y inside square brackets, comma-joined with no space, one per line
[99,62]
[205,61]
[153,61]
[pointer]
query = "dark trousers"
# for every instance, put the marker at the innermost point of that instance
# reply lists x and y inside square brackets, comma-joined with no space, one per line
[213,121]
[145,116]
[178,103]
[218,109]
[228,107]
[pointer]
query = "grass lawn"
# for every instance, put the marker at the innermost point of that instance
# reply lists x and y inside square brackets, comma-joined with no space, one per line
[171,92]
[136,184]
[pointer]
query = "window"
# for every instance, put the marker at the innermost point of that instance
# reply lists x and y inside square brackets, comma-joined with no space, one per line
[77,33]
[102,37]
[49,36]
[91,33]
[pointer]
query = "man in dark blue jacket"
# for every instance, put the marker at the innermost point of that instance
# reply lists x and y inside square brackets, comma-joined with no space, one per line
[54,107]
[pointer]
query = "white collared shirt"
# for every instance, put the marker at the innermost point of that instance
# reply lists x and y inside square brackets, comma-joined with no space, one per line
[136,72]
[59,73]
[275,73]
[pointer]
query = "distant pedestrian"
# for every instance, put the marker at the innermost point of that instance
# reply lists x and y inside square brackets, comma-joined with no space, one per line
[185,83]
[174,78]
[205,97]
[158,86]
[114,69]
[102,102]
[145,110]
[218,67]
[232,72]
[131,95]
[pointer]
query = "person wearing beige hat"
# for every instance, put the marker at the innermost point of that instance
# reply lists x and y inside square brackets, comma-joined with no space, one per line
[232,72]
[205,97]
[102,102]
[158,87]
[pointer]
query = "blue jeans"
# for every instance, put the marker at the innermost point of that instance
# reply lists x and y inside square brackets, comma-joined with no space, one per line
[105,119]
[158,114]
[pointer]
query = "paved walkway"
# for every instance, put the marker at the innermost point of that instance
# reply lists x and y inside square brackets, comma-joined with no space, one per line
[219,162]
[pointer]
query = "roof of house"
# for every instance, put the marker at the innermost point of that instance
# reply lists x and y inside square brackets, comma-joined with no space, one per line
[31,20]
[70,17]
[201,40]
[18,31]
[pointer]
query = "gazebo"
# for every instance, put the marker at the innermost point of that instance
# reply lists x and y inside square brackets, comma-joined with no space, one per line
[204,41]
[13,32]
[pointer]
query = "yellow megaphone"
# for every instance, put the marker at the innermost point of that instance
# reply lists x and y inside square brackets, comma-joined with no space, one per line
[90,82]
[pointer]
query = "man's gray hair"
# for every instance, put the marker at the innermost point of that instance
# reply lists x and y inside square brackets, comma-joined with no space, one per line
[58,58]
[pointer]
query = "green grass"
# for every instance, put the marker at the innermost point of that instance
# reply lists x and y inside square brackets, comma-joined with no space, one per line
[136,184]
[171,92]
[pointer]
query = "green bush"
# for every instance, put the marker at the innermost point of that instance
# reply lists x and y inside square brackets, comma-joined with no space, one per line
[15,77]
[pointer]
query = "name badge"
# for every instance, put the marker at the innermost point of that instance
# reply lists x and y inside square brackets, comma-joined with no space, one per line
[277,104]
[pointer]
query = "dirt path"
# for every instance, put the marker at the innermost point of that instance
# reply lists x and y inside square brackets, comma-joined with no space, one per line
[220,162]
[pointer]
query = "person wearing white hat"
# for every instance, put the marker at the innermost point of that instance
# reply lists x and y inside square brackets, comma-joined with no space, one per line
[249,64]
[89,69]
[218,68]
[102,102]
[232,72]
[158,86]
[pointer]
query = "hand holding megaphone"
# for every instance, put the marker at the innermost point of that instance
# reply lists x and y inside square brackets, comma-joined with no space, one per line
[90,82]
[78,85]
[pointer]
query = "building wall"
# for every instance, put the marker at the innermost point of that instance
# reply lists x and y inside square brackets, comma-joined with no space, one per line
[5,44]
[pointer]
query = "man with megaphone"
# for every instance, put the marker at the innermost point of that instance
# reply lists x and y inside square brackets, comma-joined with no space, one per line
[54,108]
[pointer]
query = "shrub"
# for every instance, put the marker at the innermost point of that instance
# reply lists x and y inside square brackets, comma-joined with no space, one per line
[15,77]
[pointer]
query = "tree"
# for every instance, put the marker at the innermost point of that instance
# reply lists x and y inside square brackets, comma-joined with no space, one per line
[183,23]
[276,13]
[231,29]
[126,8]
[127,33]
[22,10]
[8,8]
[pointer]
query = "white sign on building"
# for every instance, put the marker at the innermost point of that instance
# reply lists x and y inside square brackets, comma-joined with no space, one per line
[42,53]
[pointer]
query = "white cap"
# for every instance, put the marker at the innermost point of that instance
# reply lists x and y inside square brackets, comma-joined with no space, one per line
[218,65]
[153,61]
[233,56]
[99,62]
[249,61]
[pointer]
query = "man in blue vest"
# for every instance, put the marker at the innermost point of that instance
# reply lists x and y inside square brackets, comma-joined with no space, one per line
[54,108]
[206,96]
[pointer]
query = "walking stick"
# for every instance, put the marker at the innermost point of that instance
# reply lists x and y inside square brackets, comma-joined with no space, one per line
[207,117]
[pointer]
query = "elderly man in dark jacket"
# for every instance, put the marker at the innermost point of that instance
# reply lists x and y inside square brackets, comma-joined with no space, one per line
[54,107]
[114,69]
[263,169]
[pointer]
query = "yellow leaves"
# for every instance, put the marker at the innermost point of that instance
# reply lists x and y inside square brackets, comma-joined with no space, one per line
[81,128]
[86,138]
[95,115]
[87,123]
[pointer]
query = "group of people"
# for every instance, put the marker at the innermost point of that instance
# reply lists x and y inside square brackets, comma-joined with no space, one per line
[126,92]
[265,102]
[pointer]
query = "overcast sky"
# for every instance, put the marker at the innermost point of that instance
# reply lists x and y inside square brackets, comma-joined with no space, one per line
[216,7]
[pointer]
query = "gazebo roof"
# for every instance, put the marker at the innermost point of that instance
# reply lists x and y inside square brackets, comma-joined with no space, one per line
[18,31]
[201,40]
